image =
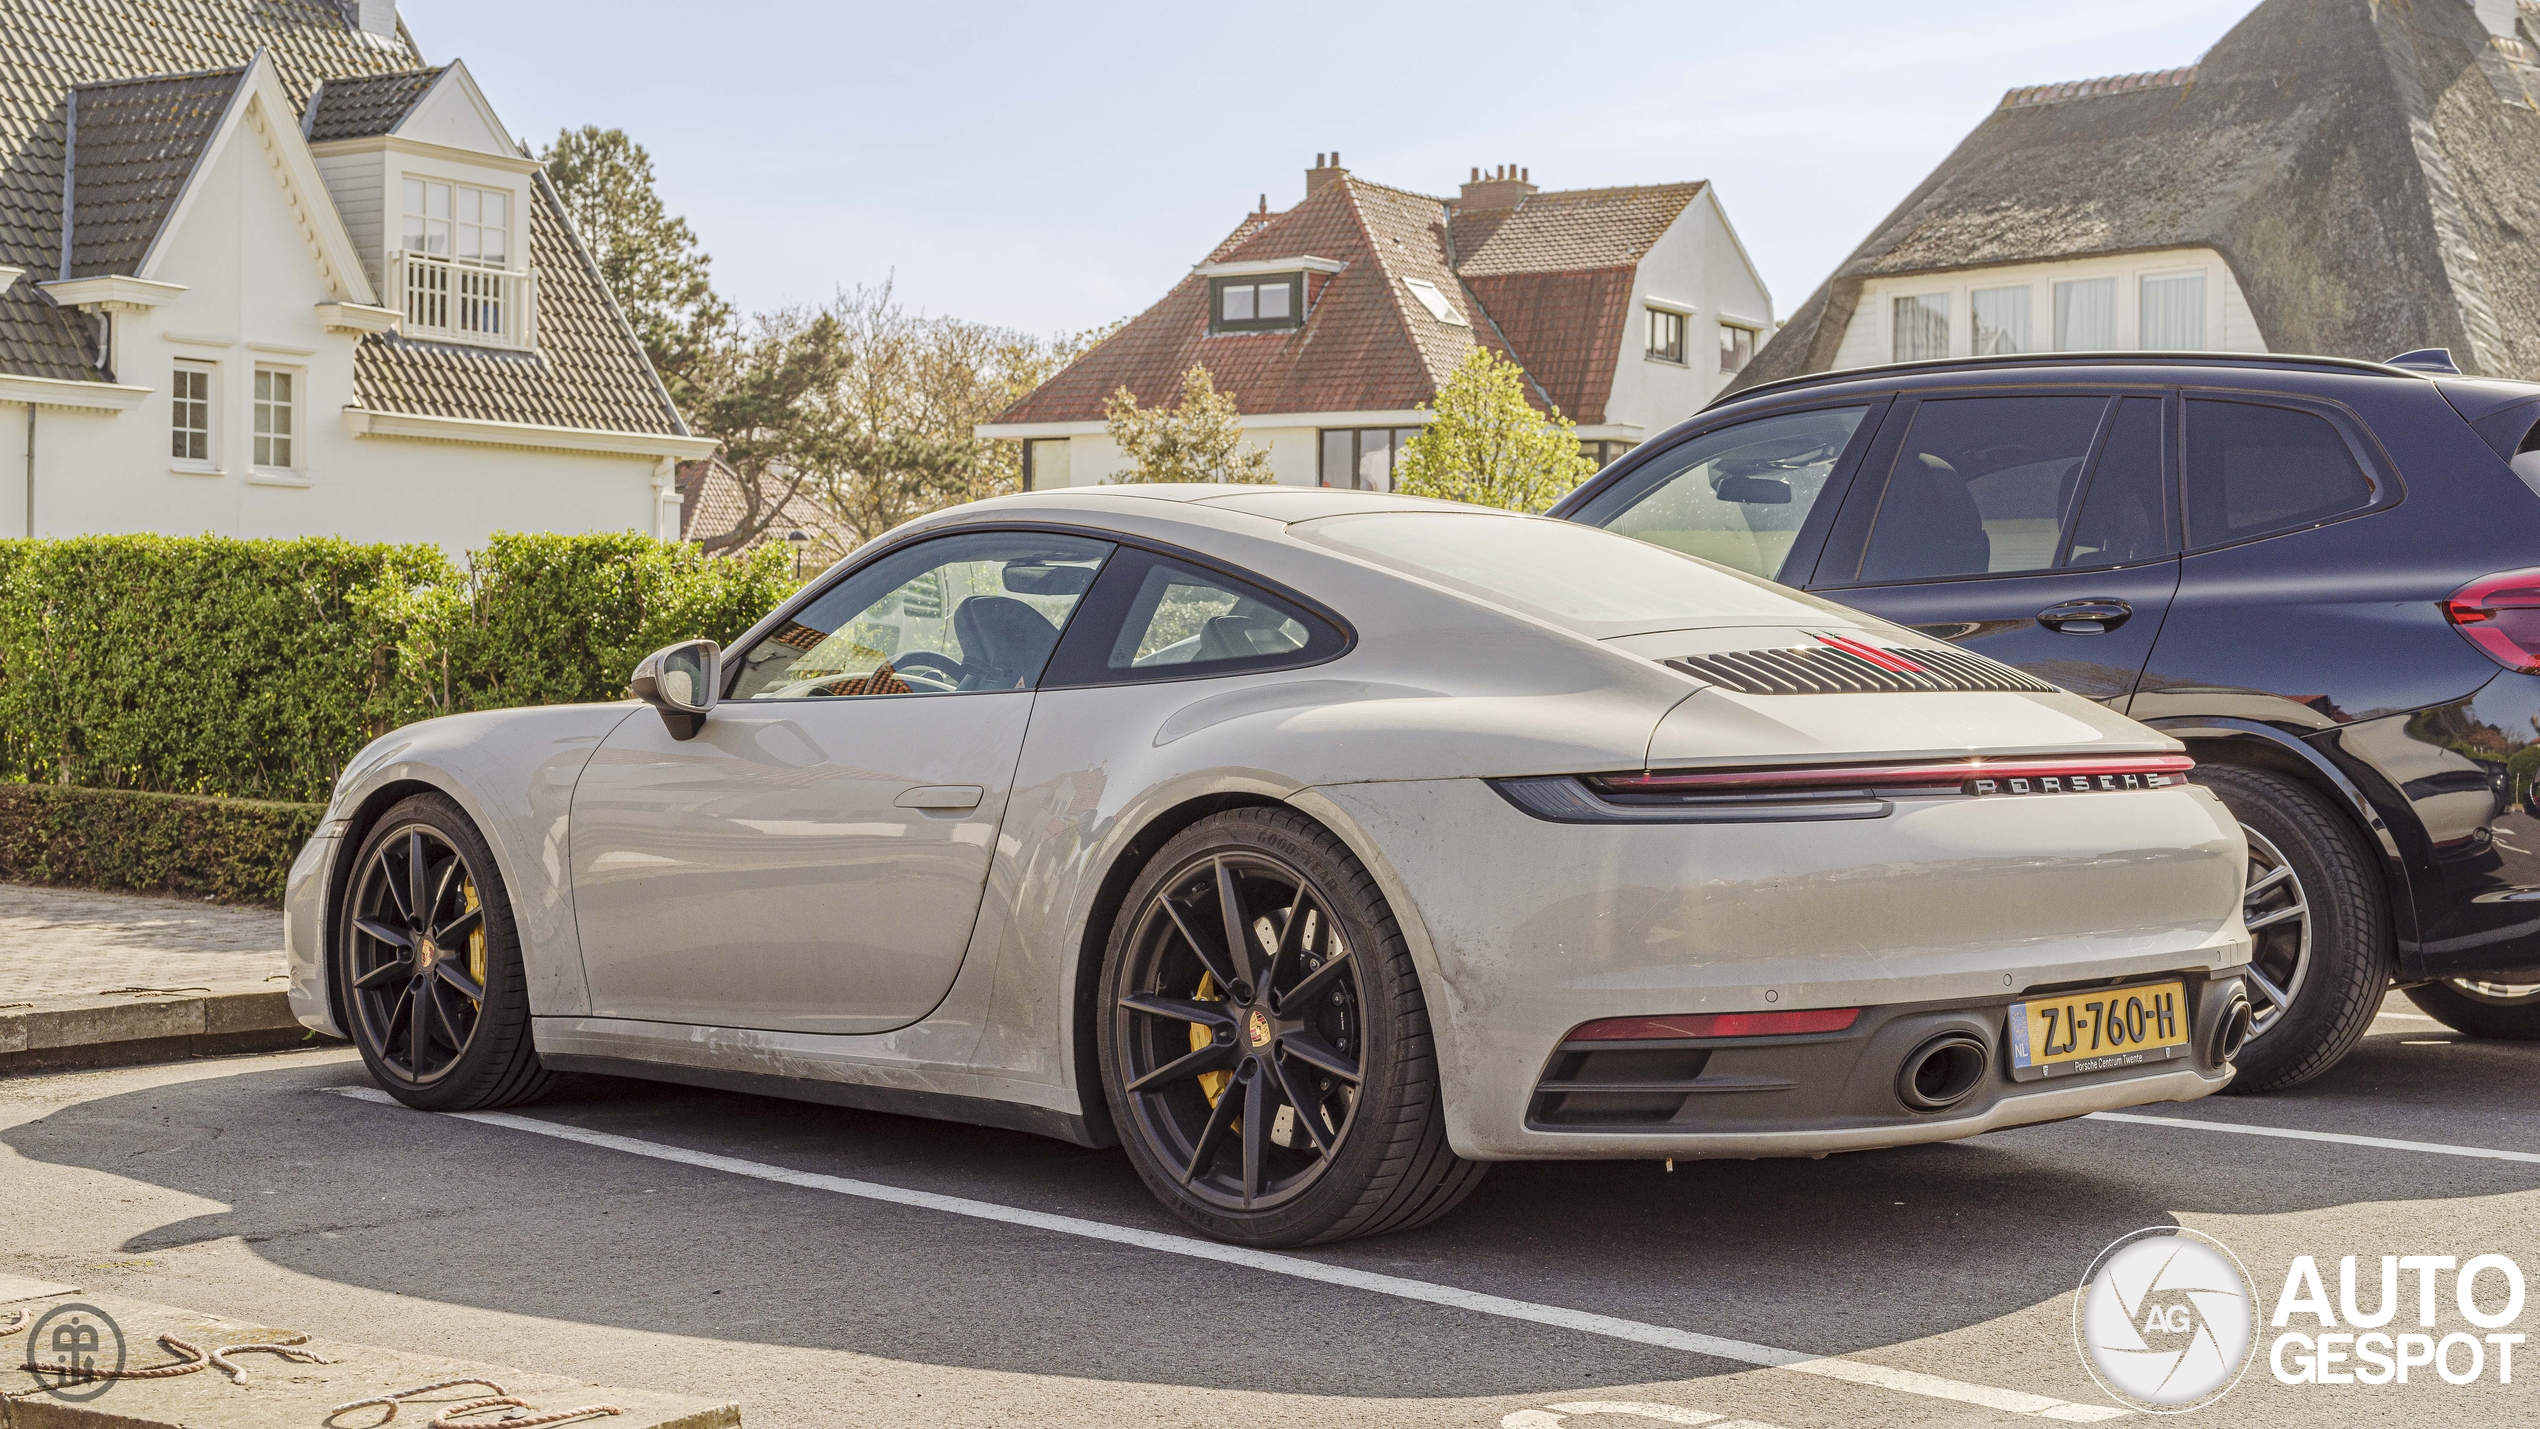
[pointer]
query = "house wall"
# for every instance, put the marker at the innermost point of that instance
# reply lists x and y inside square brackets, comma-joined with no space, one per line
[251,289]
[357,183]
[2229,324]
[1094,458]
[1697,266]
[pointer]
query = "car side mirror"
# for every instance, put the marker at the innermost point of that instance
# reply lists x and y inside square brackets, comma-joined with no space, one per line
[680,681]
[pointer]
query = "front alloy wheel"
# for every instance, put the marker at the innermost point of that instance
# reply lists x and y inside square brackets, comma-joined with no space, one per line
[2279,922]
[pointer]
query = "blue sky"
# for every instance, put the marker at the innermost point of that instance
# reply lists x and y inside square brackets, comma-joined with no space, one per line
[1053,166]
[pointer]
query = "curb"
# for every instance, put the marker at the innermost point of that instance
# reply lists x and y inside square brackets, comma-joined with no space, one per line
[282,1392]
[108,1029]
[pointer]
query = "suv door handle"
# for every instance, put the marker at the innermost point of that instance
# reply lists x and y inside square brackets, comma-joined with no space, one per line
[2085,617]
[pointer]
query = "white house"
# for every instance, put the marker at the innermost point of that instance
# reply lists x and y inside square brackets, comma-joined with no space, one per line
[2333,176]
[1332,322]
[317,289]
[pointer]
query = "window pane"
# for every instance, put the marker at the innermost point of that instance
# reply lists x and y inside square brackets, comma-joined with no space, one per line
[2124,517]
[1375,460]
[1235,304]
[1186,618]
[1737,347]
[414,197]
[468,205]
[1271,300]
[2001,319]
[964,613]
[1737,496]
[2086,315]
[1922,327]
[1981,486]
[413,234]
[436,200]
[264,386]
[2174,313]
[1338,457]
[2253,469]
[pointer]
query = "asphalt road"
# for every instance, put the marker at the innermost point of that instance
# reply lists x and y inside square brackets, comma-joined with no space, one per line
[798,1277]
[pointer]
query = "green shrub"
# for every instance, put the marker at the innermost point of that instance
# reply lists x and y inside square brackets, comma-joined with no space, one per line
[230,850]
[205,665]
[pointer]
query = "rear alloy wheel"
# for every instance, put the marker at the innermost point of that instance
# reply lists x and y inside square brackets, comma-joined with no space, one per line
[429,964]
[2319,956]
[2506,1010]
[1264,1046]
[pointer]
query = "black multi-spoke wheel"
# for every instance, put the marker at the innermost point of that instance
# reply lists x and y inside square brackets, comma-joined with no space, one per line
[429,964]
[1264,1046]
[2320,951]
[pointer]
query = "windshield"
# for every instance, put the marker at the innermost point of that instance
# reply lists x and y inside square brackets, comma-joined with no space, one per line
[1577,575]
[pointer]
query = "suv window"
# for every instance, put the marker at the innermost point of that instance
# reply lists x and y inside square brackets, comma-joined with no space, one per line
[1982,486]
[973,612]
[2125,508]
[2253,469]
[1154,618]
[1737,496]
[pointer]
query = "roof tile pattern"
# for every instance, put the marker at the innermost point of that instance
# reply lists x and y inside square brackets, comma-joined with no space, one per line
[2371,186]
[1568,231]
[359,106]
[137,143]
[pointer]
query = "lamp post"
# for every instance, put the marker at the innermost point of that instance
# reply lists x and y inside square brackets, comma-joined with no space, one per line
[798,538]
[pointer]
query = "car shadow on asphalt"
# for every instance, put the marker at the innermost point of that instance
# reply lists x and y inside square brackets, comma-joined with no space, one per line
[1849,1253]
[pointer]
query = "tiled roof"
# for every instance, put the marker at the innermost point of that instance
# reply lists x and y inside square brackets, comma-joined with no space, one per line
[710,504]
[588,371]
[49,46]
[2371,173]
[1549,286]
[359,106]
[134,146]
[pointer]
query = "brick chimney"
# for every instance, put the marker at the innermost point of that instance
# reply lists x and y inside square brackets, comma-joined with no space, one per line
[1327,167]
[1503,187]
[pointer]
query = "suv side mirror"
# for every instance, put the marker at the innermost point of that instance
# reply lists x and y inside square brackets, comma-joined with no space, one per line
[680,681]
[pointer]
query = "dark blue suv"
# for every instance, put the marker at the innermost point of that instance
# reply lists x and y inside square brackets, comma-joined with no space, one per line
[2323,575]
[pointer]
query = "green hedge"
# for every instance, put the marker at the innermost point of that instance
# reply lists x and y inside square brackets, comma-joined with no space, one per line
[230,850]
[254,669]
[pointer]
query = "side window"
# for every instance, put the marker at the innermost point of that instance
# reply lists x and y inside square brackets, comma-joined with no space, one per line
[1982,487]
[2124,513]
[1154,618]
[2253,469]
[957,614]
[1737,496]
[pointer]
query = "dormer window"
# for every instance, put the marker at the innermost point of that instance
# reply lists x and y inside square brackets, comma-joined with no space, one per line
[458,221]
[1267,302]
[454,270]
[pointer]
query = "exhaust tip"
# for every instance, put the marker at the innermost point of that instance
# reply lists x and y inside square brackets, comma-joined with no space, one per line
[2232,1032]
[1942,1072]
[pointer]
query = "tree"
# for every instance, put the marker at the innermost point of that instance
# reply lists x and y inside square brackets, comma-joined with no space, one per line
[1488,445]
[1200,439]
[770,395]
[648,255]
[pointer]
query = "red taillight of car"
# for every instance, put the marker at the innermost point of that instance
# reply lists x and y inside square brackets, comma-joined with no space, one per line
[2500,614]
[2167,768]
[1715,1024]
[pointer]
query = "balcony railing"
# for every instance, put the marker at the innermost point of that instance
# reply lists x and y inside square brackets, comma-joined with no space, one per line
[445,301]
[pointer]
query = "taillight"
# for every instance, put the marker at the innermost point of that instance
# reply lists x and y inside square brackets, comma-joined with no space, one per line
[2500,614]
[1715,1024]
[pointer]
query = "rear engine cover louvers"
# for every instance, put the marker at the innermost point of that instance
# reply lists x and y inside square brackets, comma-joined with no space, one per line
[1849,668]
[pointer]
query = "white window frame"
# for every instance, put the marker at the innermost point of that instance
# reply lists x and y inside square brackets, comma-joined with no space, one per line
[459,193]
[208,464]
[295,408]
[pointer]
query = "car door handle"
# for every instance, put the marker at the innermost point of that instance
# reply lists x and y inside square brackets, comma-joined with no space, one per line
[941,796]
[2085,617]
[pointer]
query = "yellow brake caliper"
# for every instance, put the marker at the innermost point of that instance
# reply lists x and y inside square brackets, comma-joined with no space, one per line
[476,938]
[1212,1083]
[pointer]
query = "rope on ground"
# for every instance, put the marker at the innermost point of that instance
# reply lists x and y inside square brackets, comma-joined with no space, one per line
[17,1322]
[280,1347]
[165,1371]
[446,1419]
[391,1397]
[169,991]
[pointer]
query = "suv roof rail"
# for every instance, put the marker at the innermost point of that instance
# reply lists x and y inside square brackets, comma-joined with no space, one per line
[2073,359]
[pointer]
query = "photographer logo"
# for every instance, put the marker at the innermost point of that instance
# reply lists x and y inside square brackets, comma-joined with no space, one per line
[2164,1320]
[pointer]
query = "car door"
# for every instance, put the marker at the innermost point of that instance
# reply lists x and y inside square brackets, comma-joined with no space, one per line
[2036,528]
[814,858]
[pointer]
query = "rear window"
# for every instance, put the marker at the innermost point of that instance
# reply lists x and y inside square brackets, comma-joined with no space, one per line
[2254,469]
[1577,575]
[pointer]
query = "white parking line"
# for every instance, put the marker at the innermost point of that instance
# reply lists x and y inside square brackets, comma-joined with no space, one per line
[2384,1143]
[1739,1351]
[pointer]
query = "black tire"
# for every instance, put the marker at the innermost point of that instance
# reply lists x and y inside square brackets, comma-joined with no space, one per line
[2348,967]
[2481,1009]
[1388,1167]
[474,1051]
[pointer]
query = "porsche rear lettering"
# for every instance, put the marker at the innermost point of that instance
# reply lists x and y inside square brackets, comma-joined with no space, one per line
[2071,784]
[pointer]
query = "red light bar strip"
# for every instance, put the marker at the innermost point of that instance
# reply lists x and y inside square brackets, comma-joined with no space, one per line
[1888,660]
[1889,776]
[1715,1024]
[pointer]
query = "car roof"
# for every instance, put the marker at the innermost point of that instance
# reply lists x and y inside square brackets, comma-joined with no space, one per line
[2067,366]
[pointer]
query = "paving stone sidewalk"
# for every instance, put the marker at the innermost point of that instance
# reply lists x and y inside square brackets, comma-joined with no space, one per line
[60,942]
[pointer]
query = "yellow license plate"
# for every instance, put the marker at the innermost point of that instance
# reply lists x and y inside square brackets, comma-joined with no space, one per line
[2105,1027]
